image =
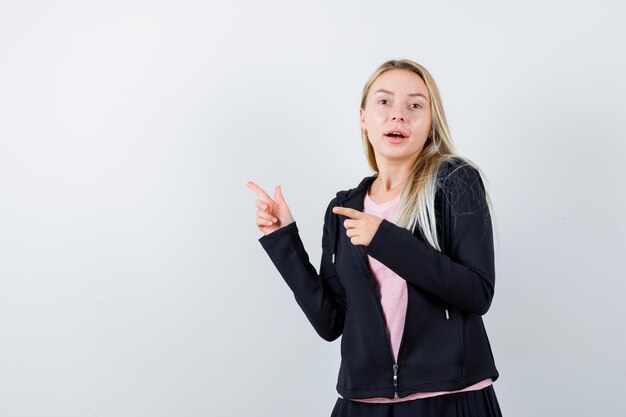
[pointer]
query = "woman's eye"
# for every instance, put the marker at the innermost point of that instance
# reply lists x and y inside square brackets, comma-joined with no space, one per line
[416,104]
[381,100]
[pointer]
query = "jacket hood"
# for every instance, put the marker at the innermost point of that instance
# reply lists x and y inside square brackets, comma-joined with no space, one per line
[344,195]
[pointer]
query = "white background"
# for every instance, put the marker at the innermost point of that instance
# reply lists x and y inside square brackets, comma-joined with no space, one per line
[131,279]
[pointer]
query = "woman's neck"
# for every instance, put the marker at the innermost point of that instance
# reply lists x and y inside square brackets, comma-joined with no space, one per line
[385,184]
[379,192]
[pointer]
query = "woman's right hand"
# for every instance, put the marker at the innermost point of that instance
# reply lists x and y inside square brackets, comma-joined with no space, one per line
[271,215]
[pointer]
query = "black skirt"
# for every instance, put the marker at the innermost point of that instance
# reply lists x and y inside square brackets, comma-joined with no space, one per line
[479,403]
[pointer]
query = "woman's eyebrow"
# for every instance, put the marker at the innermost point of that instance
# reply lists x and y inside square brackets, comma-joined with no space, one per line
[382,90]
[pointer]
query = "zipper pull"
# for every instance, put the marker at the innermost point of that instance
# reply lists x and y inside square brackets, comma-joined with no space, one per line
[395,380]
[333,257]
[447,315]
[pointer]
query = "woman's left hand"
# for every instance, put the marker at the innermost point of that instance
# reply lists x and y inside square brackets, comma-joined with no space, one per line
[361,227]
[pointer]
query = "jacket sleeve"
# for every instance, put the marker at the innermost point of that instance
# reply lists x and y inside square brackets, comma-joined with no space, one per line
[465,276]
[320,296]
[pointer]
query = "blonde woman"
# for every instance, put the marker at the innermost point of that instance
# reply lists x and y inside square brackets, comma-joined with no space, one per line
[407,267]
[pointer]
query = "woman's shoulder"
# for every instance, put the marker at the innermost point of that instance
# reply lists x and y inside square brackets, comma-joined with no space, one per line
[458,173]
[460,183]
[456,167]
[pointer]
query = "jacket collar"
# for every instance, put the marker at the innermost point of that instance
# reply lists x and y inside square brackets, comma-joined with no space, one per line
[358,191]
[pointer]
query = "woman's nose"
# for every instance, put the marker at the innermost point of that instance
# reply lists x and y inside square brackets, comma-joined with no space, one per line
[397,114]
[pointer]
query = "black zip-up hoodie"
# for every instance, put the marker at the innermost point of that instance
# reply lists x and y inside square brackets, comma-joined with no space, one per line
[444,344]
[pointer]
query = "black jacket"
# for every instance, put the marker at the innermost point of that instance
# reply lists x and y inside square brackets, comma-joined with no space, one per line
[444,345]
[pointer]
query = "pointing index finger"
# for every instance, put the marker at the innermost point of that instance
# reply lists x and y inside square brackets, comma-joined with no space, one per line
[346,211]
[259,191]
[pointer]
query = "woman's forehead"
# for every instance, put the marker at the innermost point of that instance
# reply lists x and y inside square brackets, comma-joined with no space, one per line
[400,83]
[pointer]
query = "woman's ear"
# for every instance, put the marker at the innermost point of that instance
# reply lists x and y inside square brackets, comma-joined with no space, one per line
[362,117]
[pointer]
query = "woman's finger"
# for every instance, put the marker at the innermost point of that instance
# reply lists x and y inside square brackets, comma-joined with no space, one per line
[348,212]
[263,205]
[259,191]
[266,216]
[278,194]
[262,222]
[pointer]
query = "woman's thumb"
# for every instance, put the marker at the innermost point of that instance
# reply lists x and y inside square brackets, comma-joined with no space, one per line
[278,194]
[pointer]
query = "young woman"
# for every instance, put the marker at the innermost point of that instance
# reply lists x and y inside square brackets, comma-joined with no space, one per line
[407,267]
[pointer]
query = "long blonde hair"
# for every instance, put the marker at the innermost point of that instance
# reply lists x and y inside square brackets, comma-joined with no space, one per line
[417,203]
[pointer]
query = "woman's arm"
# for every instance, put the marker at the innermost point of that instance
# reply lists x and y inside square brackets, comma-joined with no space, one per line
[466,277]
[320,296]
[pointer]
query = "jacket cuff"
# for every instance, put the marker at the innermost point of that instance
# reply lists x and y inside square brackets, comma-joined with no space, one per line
[276,235]
[378,239]
[391,240]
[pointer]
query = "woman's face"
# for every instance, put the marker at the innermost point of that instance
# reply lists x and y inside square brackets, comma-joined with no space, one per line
[398,100]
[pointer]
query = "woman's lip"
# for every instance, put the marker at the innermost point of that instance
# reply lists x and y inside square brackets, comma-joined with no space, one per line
[391,139]
[400,131]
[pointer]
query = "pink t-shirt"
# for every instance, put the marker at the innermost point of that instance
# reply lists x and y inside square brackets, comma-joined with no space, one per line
[393,298]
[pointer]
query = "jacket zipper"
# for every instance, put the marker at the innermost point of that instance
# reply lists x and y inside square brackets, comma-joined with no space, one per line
[393,361]
[395,380]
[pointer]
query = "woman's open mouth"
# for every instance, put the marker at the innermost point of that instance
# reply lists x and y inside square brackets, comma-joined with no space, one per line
[395,137]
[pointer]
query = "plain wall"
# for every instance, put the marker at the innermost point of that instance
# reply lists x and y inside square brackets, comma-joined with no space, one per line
[131,279]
